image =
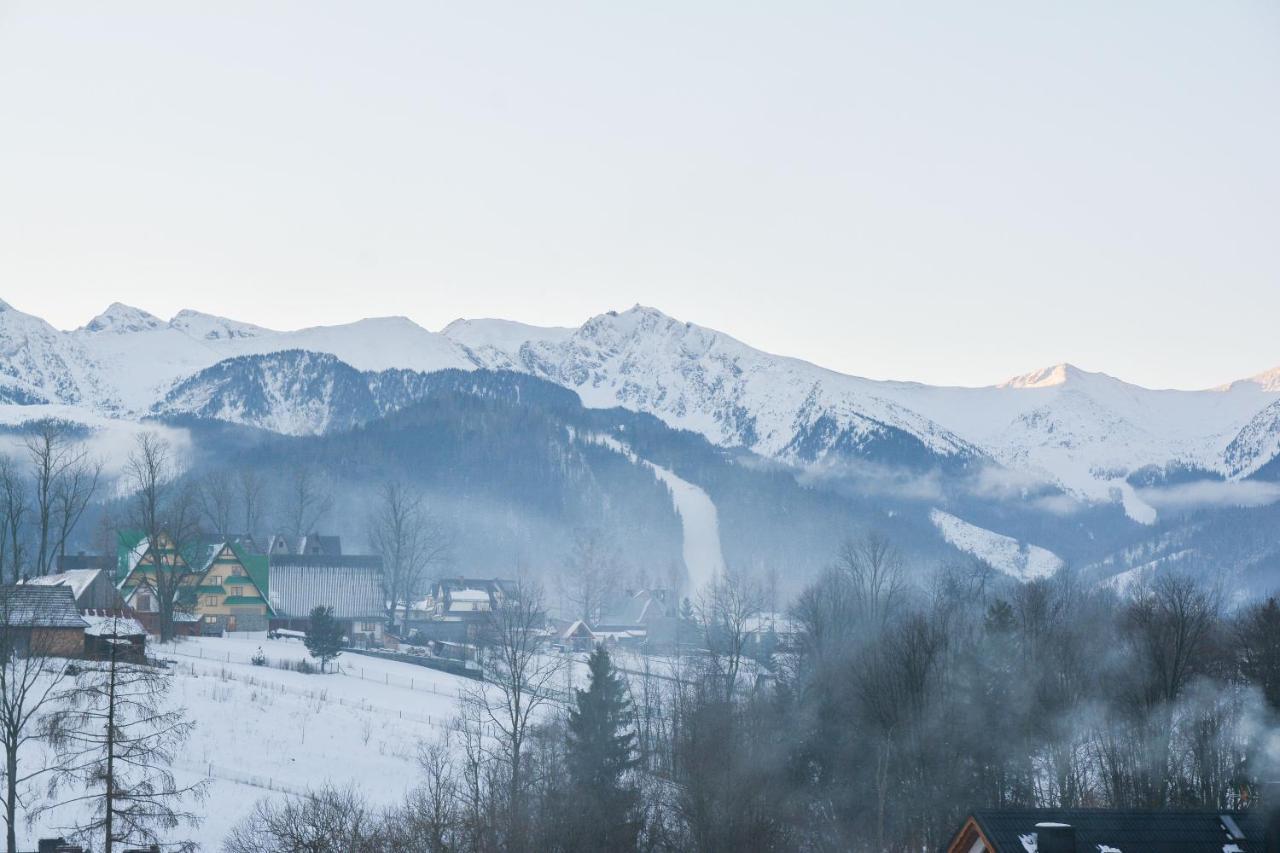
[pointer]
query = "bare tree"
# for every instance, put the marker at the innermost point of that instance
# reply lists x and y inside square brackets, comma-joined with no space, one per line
[519,681]
[411,540]
[64,480]
[328,820]
[590,573]
[728,610]
[873,568]
[162,509]
[251,486]
[115,742]
[31,685]
[306,500]
[216,496]
[13,518]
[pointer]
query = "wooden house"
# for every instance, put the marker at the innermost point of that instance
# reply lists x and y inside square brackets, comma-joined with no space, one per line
[223,587]
[233,591]
[92,588]
[1111,831]
[41,620]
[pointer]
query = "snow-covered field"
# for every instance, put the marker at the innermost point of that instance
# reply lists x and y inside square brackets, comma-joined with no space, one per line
[262,731]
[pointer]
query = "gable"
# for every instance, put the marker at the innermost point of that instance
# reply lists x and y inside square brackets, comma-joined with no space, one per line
[228,558]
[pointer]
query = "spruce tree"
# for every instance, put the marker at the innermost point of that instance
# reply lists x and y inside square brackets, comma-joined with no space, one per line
[601,750]
[324,636]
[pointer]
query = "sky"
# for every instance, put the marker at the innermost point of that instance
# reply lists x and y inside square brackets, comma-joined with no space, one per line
[947,192]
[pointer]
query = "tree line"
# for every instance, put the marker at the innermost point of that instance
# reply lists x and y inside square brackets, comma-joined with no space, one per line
[899,704]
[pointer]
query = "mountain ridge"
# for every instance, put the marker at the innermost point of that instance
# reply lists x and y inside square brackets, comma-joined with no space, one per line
[1085,431]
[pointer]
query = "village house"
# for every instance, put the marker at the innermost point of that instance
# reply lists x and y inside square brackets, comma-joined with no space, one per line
[313,544]
[1110,831]
[350,584]
[457,609]
[41,620]
[224,586]
[91,588]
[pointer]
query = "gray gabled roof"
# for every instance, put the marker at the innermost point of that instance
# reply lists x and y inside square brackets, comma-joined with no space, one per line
[354,591]
[28,606]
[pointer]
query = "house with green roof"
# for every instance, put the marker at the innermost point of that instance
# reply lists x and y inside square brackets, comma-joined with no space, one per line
[223,585]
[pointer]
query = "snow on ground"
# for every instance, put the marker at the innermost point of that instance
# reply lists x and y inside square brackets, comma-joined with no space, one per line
[699,521]
[262,731]
[1022,561]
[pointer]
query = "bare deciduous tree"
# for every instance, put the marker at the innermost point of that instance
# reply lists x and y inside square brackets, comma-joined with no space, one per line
[328,820]
[590,574]
[519,680]
[728,610]
[13,518]
[306,500]
[64,480]
[164,510]
[216,495]
[251,487]
[872,566]
[411,540]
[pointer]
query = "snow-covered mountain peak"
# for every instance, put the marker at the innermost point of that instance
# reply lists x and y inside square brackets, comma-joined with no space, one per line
[1047,377]
[1268,381]
[504,335]
[122,319]
[210,327]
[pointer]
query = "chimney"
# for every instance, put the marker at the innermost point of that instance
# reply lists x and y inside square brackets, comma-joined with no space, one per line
[1055,838]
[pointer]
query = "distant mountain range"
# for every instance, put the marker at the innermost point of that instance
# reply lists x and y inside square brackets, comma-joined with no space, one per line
[1054,444]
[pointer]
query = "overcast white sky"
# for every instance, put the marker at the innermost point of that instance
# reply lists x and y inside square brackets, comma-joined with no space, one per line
[949,192]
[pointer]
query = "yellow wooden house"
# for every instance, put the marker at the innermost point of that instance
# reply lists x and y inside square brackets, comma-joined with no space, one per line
[224,587]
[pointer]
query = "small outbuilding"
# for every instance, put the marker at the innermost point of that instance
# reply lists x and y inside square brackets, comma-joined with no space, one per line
[41,620]
[113,628]
[92,588]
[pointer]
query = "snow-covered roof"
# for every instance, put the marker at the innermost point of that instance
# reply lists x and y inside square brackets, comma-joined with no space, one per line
[113,626]
[578,629]
[28,606]
[469,595]
[77,580]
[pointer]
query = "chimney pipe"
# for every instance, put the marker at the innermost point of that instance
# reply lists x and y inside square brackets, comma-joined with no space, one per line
[1055,838]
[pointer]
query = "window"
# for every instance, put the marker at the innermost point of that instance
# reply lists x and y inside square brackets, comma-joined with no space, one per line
[214,580]
[210,620]
[210,601]
[144,603]
[237,590]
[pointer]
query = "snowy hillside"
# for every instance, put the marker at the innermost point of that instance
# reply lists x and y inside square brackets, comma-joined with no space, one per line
[1016,559]
[261,731]
[1086,432]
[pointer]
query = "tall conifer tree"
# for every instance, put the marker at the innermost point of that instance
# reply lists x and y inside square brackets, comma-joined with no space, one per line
[601,751]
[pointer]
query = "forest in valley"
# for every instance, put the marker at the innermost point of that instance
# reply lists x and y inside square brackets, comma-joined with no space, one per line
[897,707]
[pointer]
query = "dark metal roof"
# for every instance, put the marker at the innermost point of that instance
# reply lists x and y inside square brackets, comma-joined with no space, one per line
[28,606]
[75,562]
[353,591]
[1130,831]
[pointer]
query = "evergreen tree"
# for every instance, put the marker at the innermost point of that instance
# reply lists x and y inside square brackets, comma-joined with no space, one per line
[601,750]
[324,637]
